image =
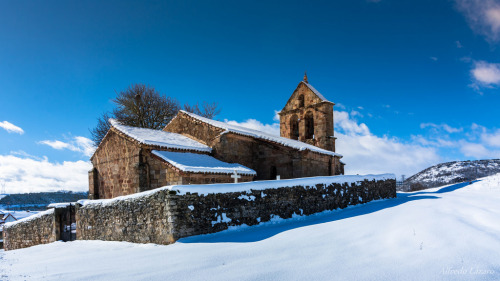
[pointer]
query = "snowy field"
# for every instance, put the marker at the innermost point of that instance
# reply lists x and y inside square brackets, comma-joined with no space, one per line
[449,233]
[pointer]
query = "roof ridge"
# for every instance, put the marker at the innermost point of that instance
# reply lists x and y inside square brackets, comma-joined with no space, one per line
[153,137]
[315,91]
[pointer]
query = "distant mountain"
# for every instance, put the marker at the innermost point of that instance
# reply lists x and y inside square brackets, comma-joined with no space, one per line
[38,201]
[451,172]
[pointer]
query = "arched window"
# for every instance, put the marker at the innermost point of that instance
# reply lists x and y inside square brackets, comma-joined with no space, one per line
[309,122]
[301,101]
[294,127]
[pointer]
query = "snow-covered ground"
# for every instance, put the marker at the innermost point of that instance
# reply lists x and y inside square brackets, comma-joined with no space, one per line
[449,233]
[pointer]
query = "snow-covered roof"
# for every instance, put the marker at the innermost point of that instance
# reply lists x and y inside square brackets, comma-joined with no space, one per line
[201,163]
[315,91]
[160,138]
[261,135]
[7,216]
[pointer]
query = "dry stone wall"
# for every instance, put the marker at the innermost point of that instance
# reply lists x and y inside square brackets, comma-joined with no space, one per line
[36,230]
[164,216]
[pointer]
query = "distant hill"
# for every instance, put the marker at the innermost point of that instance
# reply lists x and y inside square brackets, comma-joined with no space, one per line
[39,201]
[451,172]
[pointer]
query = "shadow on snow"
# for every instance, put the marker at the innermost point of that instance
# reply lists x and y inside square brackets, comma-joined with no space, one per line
[269,229]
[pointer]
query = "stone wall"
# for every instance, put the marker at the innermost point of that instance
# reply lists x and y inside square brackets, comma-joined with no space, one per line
[165,215]
[38,229]
[117,167]
[45,227]
[186,125]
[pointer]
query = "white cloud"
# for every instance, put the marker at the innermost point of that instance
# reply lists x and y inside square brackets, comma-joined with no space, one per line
[478,150]
[459,44]
[493,19]
[437,142]
[276,116]
[78,144]
[492,139]
[11,128]
[26,155]
[485,73]
[367,153]
[483,16]
[477,142]
[85,145]
[56,144]
[433,58]
[447,128]
[372,154]
[339,106]
[273,129]
[23,174]
[348,125]
[356,113]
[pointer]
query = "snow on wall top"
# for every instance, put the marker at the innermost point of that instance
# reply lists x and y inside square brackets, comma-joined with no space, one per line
[30,218]
[262,135]
[201,163]
[60,205]
[205,189]
[315,91]
[160,138]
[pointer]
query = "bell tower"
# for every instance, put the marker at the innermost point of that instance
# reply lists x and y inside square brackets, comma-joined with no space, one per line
[308,117]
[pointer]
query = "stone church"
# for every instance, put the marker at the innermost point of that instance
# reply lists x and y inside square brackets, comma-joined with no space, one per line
[195,150]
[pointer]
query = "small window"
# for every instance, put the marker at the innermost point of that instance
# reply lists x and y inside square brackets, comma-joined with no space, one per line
[301,101]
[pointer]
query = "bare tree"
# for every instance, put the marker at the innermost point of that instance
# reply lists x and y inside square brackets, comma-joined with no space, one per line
[143,106]
[208,110]
[99,132]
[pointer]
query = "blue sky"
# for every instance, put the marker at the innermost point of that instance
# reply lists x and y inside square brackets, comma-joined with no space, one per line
[415,82]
